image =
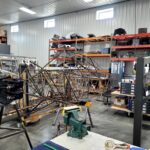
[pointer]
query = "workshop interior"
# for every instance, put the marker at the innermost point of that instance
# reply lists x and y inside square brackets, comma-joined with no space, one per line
[74,74]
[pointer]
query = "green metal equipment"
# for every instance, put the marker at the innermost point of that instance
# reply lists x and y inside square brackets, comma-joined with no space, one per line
[78,128]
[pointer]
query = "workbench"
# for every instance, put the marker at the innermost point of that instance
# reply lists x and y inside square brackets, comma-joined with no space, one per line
[92,141]
[117,93]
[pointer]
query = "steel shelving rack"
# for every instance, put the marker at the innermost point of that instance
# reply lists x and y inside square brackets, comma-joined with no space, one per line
[145,47]
[76,53]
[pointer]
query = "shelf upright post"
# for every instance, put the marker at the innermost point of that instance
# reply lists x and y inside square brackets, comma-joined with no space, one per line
[138,103]
[49,46]
[76,44]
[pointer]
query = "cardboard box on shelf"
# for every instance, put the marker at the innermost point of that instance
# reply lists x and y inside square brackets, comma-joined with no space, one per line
[120,102]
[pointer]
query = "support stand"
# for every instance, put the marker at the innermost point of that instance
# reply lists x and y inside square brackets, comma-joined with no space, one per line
[89,116]
[56,118]
[15,130]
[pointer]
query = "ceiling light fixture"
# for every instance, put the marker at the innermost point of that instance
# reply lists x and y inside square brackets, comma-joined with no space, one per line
[29,11]
[88,1]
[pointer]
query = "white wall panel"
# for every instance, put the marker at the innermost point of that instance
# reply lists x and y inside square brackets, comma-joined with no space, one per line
[32,38]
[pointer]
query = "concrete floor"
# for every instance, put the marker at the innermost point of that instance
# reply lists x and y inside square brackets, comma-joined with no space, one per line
[107,122]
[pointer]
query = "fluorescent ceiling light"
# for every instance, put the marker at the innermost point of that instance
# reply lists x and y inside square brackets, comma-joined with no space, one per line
[88,1]
[29,11]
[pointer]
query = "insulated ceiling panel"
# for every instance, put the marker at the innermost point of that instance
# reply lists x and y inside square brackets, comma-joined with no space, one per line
[10,13]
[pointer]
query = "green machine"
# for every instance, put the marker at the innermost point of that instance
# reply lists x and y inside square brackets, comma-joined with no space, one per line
[78,128]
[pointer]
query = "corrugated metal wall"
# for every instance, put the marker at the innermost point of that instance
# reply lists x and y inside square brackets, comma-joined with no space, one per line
[32,39]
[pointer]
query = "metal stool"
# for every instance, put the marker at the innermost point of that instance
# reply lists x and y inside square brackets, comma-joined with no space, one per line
[107,95]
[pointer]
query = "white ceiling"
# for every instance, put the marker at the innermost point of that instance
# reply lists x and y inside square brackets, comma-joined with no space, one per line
[10,13]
